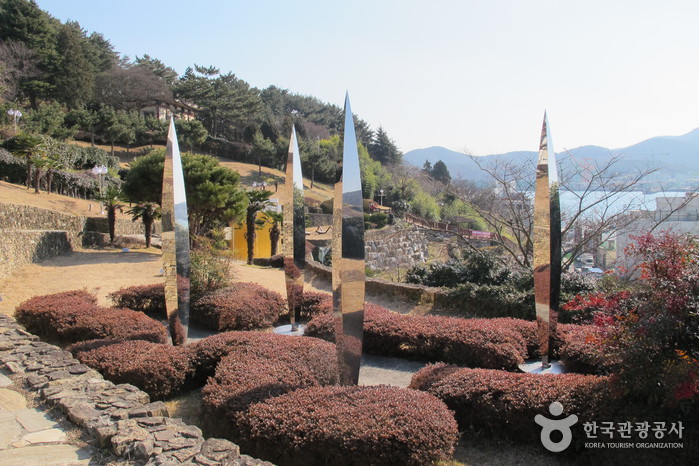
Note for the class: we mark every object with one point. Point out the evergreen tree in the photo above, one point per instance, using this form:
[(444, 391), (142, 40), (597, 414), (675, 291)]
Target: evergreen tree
[(383, 149), (440, 172)]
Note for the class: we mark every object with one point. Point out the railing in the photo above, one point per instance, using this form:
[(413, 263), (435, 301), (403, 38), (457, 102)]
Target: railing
[(446, 226)]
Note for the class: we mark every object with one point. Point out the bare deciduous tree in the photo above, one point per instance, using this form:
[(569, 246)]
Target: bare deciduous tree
[(602, 205)]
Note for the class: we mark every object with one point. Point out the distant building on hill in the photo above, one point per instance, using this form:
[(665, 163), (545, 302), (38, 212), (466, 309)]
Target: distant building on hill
[(674, 214), (164, 110)]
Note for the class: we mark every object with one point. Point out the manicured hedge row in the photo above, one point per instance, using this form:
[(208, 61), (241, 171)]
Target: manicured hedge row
[(505, 404), (582, 350), (501, 343), (74, 316), (491, 343), (145, 298), (157, 369), (351, 425), (267, 365), (242, 306)]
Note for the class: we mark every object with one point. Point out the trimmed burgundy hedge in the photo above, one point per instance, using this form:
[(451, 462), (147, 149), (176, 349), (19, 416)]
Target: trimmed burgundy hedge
[(145, 298), (470, 342), (582, 350), (242, 306), (74, 316), (157, 369), (501, 343), (505, 403), (351, 425), (267, 365)]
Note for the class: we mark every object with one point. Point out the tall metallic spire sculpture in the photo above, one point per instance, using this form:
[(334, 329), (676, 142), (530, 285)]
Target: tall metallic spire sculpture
[(175, 238), (294, 230), (547, 243), (348, 257)]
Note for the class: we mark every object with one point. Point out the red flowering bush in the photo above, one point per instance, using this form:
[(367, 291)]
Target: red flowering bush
[(241, 306), (505, 403), (73, 316), (145, 298), (351, 425), (264, 365), (157, 369)]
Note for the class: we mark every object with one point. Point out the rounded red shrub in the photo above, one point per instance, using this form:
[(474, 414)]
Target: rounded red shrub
[(74, 316), (205, 354), (145, 298), (268, 365), (506, 403), (157, 369), (46, 315), (351, 425), (583, 351), (242, 306)]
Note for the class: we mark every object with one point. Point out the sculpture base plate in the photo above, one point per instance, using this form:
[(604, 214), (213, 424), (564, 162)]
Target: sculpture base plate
[(533, 366), (286, 330)]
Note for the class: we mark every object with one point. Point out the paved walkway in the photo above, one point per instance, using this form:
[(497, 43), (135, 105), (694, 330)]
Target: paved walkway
[(29, 436)]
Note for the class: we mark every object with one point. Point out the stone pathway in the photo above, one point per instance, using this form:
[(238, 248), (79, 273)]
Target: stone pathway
[(28, 436), (119, 418)]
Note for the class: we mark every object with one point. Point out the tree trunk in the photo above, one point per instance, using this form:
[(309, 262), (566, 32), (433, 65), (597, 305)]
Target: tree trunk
[(148, 225), (37, 180), (274, 238), (49, 181), (250, 236), (313, 175), (28, 181), (111, 218)]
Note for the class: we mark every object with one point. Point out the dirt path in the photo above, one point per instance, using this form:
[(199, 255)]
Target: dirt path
[(99, 271), (104, 271)]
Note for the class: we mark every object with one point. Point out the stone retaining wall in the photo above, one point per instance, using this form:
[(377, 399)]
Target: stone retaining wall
[(422, 295), (20, 247), (121, 417), (29, 234), (390, 248)]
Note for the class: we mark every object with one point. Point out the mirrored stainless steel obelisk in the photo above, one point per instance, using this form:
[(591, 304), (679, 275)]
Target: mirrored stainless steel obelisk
[(175, 238), (351, 259), (556, 235), (547, 240), (294, 230)]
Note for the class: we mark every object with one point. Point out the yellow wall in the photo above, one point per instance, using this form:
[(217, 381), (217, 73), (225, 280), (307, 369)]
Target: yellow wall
[(263, 245)]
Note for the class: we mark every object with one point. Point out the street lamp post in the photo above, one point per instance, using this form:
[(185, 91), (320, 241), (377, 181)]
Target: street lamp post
[(100, 170), (16, 114), (381, 194)]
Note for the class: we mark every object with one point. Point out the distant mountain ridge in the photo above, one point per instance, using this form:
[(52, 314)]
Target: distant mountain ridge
[(676, 157)]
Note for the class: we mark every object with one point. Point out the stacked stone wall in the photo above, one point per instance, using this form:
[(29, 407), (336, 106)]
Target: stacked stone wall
[(30, 234), (389, 248)]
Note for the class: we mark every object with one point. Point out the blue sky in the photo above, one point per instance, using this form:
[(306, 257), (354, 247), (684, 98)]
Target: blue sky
[(469, 75)]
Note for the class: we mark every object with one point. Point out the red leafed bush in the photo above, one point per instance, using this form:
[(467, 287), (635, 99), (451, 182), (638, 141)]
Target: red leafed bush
[(74, 316), (505, 403), (157, 369), (351, 425), (583, 351), (145, 298), (491, 343), (242, 306), (43, 315), (208, 352), (268, 365)]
